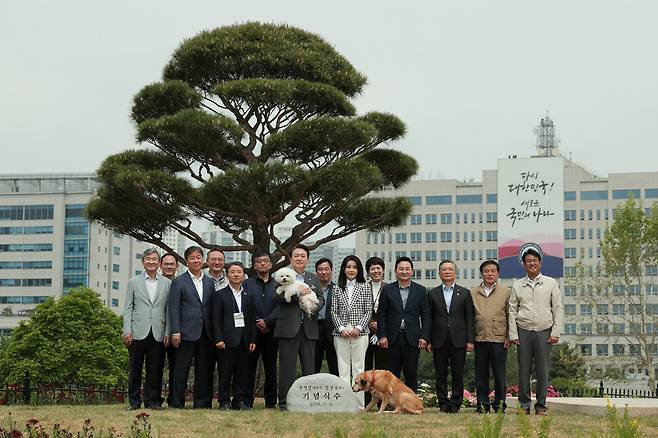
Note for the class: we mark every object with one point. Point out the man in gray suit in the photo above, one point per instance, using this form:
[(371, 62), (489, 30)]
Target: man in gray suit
[(296, 332), (146, 330)]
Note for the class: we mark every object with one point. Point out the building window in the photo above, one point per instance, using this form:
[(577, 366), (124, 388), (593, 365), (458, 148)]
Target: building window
[(492, 217), (115, 267), (569, 291), (115, 285), (492, 236), (446, 254), (602, 309), (438, 200), (569, 196), (416, 237), (569, 234), (415, 256), (430, 256), (446, 236), (446, 218), (457, 217), (601, 349), (618, 328), (569, 253), (618, 350), (586, 310), (430, 274), (399, 254), (416, 219), (652, 270), (469, 199), (651, 193), (618, 309), (491, 254), (115, 302), (430, 219), (38, 212), (569, 271), (626, 193), (586, 349), (400, 237), (430, 237), (116, 250), (570, 328), (594, 195), (492, 198), (415, 200), (603, 329), (570, 309), (569, 215)]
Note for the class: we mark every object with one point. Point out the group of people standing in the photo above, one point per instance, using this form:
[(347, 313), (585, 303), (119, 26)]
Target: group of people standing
[(361, 323)]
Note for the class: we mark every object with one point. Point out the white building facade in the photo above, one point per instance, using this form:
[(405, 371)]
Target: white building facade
[(459, 220), (48, 246)]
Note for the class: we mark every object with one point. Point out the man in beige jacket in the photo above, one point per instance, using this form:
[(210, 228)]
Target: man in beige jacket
[(490, 302), (535, 321)]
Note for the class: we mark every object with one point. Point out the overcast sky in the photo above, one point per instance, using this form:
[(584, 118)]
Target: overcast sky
[(470, 79)]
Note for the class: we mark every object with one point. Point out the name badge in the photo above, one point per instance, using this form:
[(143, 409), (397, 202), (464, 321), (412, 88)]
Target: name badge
[(238, 319)]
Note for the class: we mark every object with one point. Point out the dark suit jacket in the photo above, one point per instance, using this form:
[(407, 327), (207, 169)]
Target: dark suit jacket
[(289, 315), (188, 314), (264, 296), (416, 314), (223, 325), (328, 321), (458, 323)]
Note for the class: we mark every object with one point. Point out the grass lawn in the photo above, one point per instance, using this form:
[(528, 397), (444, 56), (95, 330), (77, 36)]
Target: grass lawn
[(267, 423)]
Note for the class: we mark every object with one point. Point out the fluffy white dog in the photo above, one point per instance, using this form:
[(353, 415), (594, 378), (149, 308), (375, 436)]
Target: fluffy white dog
[(289, 286)]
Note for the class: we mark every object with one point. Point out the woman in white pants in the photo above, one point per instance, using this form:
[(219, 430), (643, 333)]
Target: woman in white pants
[(351, 309)]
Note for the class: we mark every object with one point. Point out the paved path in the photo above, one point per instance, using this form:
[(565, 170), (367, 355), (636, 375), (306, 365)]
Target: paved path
[(597, 406)]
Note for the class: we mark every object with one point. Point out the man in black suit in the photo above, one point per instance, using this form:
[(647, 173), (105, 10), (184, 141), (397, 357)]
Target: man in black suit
[(296, 332), (451, 308), (325, 344), (262, 288), (189, 304), (234, 331), (403, 322), (169, 268)]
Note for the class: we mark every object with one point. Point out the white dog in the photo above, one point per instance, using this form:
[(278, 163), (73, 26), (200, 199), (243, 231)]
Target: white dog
[(289, 286)]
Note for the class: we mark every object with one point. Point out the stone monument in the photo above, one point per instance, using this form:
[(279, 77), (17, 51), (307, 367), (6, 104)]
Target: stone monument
[(322, 393)]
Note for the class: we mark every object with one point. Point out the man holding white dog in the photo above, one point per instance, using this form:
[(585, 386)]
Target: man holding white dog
[(296, 331)]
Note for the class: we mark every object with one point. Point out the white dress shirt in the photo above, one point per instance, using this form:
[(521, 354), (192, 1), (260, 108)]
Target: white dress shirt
[(198, 284), (237, 294), (151, 286), (349, 287)]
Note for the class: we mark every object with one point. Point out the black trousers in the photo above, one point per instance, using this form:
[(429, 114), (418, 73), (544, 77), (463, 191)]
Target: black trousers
[(403, 358), (325, 347), (449, 356), (289, 349), (490, 355), (376, 359), (151, 351), (266, 348), (201, 353), (233, 375), (169, 355)]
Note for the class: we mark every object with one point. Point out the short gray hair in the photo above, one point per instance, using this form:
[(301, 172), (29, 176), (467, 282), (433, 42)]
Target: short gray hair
[(150, 251)]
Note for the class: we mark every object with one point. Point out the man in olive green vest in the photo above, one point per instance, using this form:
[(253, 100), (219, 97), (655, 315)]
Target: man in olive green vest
[(490, 302)]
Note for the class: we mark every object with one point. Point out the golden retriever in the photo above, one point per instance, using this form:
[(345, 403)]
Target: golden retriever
[(384, 386)]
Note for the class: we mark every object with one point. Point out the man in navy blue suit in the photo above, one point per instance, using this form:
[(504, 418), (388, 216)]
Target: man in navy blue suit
[(403, 322), (234, 331), (191, 330)]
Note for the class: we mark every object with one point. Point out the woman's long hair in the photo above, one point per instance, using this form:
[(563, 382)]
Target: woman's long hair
[(342, 278)]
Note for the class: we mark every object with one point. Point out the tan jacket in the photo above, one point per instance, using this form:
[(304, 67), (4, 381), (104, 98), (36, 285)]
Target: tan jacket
[(490, 313), (535, 308)]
